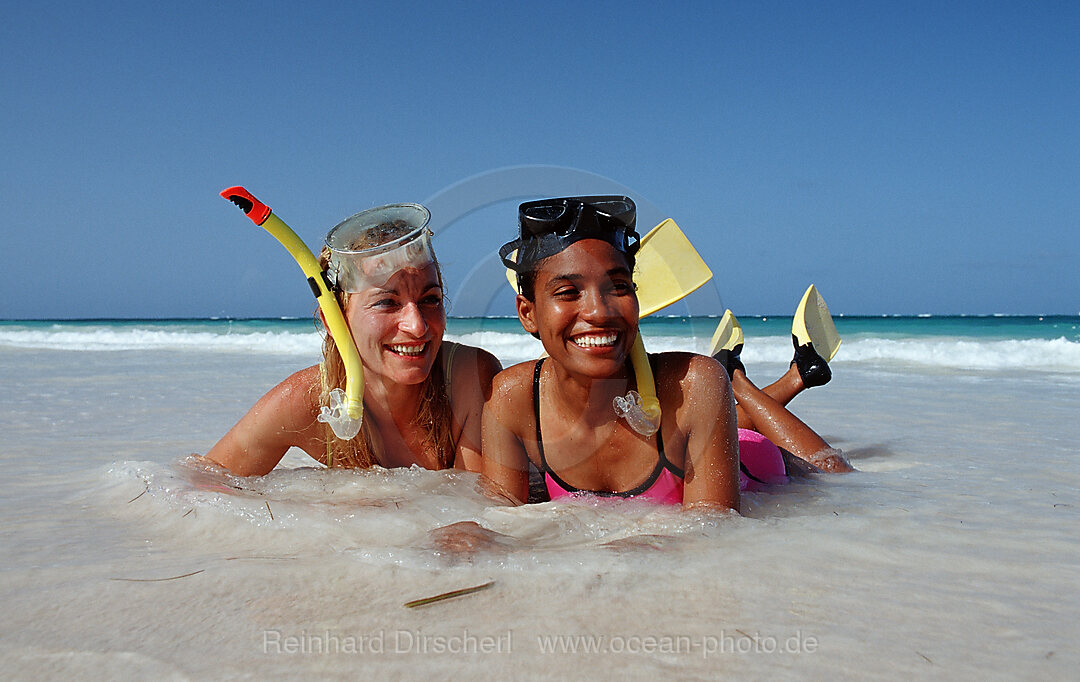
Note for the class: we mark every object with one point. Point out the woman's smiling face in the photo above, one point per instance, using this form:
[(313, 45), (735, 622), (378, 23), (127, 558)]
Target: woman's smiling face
[(585, 309), (399, 326)]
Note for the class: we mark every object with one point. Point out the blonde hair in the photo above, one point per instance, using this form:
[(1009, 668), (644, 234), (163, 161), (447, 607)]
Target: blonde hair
[(434, 415)]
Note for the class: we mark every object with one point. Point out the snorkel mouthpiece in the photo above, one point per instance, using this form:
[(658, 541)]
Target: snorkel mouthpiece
[(252, 207), (640, 410), (346, 411)]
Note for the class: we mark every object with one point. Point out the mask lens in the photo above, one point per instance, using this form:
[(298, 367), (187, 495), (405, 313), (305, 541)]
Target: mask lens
[(548, 226), (545, 217), (617, 212), (378, 229), (369, 247)]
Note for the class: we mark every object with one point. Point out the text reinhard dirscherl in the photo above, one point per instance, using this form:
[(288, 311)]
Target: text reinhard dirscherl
[(384, 642)]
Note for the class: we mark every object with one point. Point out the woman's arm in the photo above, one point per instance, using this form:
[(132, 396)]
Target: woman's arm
[(505, 461), (283, 418), (470, 388), (712, 452)]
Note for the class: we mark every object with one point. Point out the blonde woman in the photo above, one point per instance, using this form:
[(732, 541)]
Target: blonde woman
[(423, 397)]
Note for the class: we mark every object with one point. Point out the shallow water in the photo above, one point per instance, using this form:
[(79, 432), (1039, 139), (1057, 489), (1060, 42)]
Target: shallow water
[(952, 552)]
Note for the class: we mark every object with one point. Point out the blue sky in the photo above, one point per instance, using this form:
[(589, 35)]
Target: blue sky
[(907, 157)]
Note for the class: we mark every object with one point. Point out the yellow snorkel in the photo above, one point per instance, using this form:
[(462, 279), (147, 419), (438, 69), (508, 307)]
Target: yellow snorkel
[(345, 413), (668, 269)]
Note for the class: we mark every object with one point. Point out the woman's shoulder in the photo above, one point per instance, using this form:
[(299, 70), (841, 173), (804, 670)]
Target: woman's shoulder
[(514, 382), (468, 370), (511, 402), (299, 393), (688, 369), (460, 355), (691, 383), (694, 392)]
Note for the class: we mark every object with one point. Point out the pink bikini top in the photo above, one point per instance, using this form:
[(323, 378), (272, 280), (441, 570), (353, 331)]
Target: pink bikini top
[(663, 486)]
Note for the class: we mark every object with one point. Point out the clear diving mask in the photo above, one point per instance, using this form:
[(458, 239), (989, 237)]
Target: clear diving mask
[(369, 247)]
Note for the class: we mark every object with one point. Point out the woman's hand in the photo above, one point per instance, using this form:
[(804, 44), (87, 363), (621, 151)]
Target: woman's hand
[(467, 538)]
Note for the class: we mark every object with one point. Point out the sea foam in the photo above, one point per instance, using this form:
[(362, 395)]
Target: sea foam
[(945, 352), (140, 338)]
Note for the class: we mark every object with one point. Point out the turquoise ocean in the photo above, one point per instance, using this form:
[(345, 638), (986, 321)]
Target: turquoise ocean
[(951, 553), (1043, 342)]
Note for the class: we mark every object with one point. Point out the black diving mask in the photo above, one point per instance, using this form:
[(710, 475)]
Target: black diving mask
[(549, 226)]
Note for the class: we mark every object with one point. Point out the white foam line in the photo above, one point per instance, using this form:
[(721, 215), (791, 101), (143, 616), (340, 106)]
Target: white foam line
[(1059, 354)]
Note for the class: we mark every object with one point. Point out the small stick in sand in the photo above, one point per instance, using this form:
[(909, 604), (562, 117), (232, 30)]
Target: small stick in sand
[(447, 595), (145, 490), (157, 580), (268, 509)]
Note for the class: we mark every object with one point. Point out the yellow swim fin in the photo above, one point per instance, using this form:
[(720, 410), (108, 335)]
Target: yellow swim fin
[(668, 268), (728, 334), (814, 325)]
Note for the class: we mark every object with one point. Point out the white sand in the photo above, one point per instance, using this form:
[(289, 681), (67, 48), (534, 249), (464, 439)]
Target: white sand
[(953, 553)]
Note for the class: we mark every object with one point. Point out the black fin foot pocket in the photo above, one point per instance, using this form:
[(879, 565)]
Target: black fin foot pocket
[(813, 368), (730, 360)]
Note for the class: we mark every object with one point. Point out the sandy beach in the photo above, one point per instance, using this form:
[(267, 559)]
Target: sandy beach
[(951, 553)]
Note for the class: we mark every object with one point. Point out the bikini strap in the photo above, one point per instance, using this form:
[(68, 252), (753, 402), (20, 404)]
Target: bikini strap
[(742, 468), (448, 349), (536, 415), (664, 461)]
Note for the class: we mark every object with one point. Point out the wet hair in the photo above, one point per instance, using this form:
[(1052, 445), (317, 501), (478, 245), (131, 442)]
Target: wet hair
[(381, 234), (434, 415)]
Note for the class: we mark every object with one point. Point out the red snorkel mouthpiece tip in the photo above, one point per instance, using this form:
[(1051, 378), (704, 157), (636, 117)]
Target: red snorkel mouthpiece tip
[(252, 207)]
